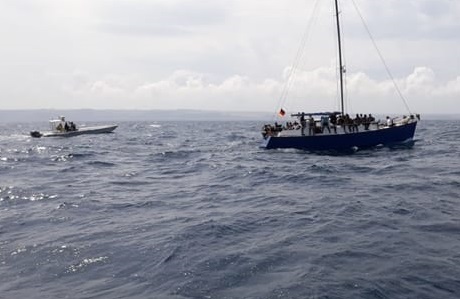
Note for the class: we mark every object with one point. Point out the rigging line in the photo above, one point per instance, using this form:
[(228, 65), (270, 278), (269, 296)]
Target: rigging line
[(301, 51), (297, 59), (299, 55), (381, 56), (348, 104)]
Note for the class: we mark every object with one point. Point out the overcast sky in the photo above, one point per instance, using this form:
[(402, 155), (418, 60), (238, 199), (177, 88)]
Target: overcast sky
[(226, 54)]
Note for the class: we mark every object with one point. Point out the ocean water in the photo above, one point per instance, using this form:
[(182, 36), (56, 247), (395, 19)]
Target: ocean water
[(198, 210)]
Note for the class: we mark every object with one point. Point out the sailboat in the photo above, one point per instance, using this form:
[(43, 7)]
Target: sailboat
[(336, 130)]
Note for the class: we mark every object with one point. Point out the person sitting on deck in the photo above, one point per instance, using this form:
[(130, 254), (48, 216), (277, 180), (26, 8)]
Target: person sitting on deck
[(365, 122), (349, 123), (296, 125), (278, 127), (356, 122), (405, 120), (389, 122), (269, 130)]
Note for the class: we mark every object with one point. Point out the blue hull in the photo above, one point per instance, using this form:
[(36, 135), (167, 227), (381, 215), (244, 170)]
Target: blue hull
[(339, 142)]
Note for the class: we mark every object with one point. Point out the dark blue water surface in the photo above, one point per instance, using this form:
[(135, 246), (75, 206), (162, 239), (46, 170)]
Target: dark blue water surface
[(198, 210)]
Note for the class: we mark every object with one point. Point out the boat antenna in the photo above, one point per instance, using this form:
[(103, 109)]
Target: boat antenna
[(341, 68)]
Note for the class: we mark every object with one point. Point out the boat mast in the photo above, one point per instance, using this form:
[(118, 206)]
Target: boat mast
[(340, 55)]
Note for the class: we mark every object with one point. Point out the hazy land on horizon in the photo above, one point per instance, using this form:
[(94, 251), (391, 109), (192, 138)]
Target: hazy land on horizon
[(39, 115)]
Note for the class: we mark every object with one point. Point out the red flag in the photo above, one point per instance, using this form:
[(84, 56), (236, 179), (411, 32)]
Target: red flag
[(282, 112)]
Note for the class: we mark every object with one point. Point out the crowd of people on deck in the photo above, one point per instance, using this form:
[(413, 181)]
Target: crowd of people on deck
[(68, 126), (332, 121), (272, 130), (353, 124)]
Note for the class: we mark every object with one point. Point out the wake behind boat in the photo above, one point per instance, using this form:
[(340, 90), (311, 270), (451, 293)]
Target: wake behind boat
[(308, 131), (62, 128)]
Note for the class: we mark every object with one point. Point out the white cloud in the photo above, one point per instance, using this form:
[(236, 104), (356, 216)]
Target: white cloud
[(314, 90), (185, 89)]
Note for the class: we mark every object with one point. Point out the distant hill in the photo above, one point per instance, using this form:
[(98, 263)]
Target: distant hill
[(131, 115)]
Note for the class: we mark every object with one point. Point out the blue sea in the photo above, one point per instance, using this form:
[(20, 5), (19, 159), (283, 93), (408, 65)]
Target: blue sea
[(198, 210)]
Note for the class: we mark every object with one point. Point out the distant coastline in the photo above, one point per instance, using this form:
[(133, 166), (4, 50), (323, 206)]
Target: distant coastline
[(40, 115)]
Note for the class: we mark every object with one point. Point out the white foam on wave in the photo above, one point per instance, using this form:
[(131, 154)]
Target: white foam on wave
[(86, 262), (12, 193), (18, 137)]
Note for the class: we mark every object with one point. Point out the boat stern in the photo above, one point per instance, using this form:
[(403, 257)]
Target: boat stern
[(36, 134), (265, 142)]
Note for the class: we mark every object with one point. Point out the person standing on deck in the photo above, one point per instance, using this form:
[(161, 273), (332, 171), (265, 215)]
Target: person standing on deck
[(370, 120), (325, 123), (333, 120), (311, 125), (303, 123)]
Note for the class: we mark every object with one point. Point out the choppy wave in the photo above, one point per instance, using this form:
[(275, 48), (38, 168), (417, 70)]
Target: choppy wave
[(198, 210)]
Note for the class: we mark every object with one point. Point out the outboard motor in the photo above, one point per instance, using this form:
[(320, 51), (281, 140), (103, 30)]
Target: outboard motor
[(36, 134)]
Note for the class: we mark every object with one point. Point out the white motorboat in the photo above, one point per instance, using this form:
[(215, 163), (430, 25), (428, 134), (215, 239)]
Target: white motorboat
[(62, 128)]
